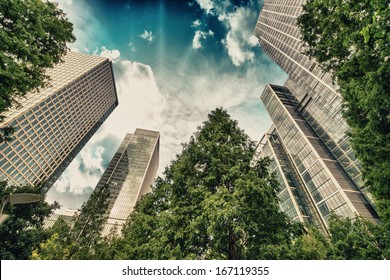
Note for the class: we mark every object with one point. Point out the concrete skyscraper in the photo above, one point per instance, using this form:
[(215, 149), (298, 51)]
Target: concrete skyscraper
[(52, 125), (129, 176), (308, 141)]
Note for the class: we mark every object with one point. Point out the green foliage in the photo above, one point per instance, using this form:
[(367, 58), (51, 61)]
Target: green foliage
[(6, 132), (23, 231), (351, 39), (356, 239), (312, 246), (82, 240), (211, 204), (56, 247)]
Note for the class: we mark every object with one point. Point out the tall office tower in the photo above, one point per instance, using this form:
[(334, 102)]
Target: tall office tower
[(307, 143), (312, 182), (318, 99), (129, 176), (52, 125)]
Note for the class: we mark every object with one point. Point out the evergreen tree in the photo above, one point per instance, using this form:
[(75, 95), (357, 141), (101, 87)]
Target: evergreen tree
[(211, 204)]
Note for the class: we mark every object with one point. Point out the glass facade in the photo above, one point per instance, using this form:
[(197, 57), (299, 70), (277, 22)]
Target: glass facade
[(308, 130), (318, 99), (129, 176), (53, 124), (294, 199), (318, 184)]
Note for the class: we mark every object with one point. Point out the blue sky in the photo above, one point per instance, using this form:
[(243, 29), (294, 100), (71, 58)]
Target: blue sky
[(174, 61)]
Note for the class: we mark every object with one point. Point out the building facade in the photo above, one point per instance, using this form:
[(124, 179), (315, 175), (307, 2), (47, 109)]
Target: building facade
[(312, 182), (308, 142), (318, 99), (52, 125), (129, 176), (67, 216)]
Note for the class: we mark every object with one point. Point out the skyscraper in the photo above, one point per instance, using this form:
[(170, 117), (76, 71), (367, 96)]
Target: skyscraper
[(313, 183), (318, 99), (52, 125), (129, 176), (307, 143)]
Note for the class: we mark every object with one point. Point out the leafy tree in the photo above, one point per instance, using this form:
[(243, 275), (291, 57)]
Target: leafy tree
[(356, 239), (82, 240), (56, 247), (23, 231), (313, 245), (351, 39), (33, 36), (211, 204)]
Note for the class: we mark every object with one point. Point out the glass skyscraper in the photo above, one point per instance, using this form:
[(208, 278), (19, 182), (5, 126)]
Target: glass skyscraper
[(53, 124), (308, 140), (129, 176)]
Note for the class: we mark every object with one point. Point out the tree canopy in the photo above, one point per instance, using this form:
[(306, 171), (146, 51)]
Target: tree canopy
[(351, 39)]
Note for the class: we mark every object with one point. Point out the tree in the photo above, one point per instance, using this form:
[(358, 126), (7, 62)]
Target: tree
[(23, 231), (211, 204), (313, 245), (33, 36), (356, 239), (82, 240), (351, 39), (56, 247)]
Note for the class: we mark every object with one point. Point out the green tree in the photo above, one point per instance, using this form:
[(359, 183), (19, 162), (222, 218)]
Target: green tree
[(56, 247), (211, 204), (33, 36), (82, 240), (313, 245), (351, 39), (85, 235), (356, 239), (23, 231)]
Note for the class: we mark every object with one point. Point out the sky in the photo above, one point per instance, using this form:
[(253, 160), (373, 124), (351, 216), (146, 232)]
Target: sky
[(174, 62)]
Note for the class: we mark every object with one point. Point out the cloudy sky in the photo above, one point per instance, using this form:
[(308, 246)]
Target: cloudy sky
[(174, 61)]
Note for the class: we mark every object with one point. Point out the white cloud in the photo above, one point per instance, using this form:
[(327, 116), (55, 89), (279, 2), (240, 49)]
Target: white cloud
[(111, 54), (199, 36), (240, 41), (147, 35), (91, 164), (86, 26), (206, 5), (132, 47), (196, 23)]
